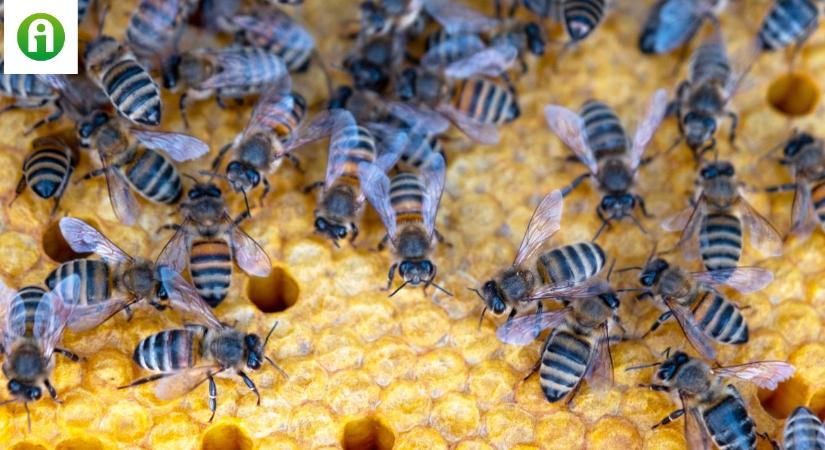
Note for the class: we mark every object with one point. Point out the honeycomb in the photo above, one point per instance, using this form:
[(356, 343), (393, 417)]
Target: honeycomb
[(414, 371)]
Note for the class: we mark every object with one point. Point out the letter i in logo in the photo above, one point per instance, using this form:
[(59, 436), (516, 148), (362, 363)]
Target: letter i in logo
[(41, 37)]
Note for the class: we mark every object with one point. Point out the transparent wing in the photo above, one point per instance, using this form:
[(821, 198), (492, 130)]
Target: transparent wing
[(803, 221), (376, 187), (186, 299), (687, 221), (233, 67), (251, 257), (271, 105), (53, 313), (569, 127), (765, 374), (743, 279), (390, 148), (523, 330), (457, 18), (6, 296), (179, 146), (676, 21), (647, 127), (324, 124), (433, 174), (458, 46), (763, 235), (695, 336), (86, 317), (343, 132), (695, 434), (599, 371), (419, 117), (175, 253), (83, 238), (491, 62), (546, 220), (183, 381), (483, 133), (124, 204), (570, 290)]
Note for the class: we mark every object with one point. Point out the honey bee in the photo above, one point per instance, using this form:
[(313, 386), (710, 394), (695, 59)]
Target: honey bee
[(47, 169), (702, 312), (579, 17), (714, 410), (805, 155), (563, 270), (139, 166), (274, 30), (155, 27), (208, 239), (373, 62), (230, 73), (717, 219), (525, 37), (29, 91), (598, 139), (465, 55), (788, 22), (407, 205), (577, 349), (33, 323), (269, 137), (672, 24), (129, 86), (399, 16), (182, 359), (803, 431)]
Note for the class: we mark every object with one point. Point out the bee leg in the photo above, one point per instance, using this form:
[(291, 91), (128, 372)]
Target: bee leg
[(11, 107), (664, 317), (539, 310), (535, 369), (312, 186), (642, 206), (781, 187), (52, 391), (605, 223), (734, 123), (221, 103), (643, 295), (354, 228), (573, 393), (169, 226), (391, 275), (71, 356), (251, 385), (182, 103), (766, 437), (221, 153), (46, 120), (295, 162), (267, 188), (145, 380), (383, 243), (670, 417), (21, 186), (213, 397), (441, 240), (574, 184), (93, 174)]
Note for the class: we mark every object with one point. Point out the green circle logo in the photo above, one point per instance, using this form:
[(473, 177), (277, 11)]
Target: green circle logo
[(41, 37)]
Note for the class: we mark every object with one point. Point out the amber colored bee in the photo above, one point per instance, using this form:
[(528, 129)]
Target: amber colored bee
[(48, 168)]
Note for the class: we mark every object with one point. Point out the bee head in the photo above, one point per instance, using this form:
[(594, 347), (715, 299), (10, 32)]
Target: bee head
[(672, 365), (648, 42), (331, 229), (202, 190), (340, 98), (254, 351), (535, 38), (652, 271), (699, 128), (617, 206), (491, 294), (610, 299), (171, 71), (405, 87), (797, 143), (513, 111), (21, 390), (373, 17), (717, 169), (366, 74), (579, 27), (416, 272), (86, 128), (241, 176)]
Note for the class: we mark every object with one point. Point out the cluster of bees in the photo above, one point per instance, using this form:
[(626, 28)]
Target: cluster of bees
[(384, 130)]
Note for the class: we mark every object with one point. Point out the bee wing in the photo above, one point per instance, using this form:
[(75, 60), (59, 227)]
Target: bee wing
[(546, 220), (185, 298), (340, 125), (390, 147), (802, 212), (523, 330), (484, 133), (11, 328), (53, 313), (251, 257), (419, 117), (324, 124), (687, 221), (86, 317), (743, 279), (695, 336), (433, 174), (571, 290), (491, 62), (232, 66), (763, 235), (179, 146), (124, 204), (183, 381), (695, 433), (648, 126), (376, 187), (457, 18), (275, 99), (6, 296), (600, 366), (175, 253), (569, 127), (765, 374), (83, 238), (676, 21), (460, 46)]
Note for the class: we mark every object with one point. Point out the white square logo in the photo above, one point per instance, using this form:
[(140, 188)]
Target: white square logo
[(40, 36)]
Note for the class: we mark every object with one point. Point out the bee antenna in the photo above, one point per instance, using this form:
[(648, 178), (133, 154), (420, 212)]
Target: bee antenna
[(637, 223), (625, 269), (610, 270), (441, 289), (277, 367), (643, 366), (605, 224), (632, 290), (404, 284), (28, 415), (270, 332), (246, 202), (191, 177), (481, 317), (652, 253)]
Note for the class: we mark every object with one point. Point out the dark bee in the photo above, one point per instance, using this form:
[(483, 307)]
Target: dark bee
[(407, 205), (525, 37), (577, 349), (208, 239), (714, 410), (156, 26), (274, 30), (803, 431), (373, 62), (579, 17), (400, 16), (182, 359), (804, 154), (48, 168), (673, 23), (701, 311), (131, 89), (599, 140), (128, 165), (465, 55), (716, 219), (33, 323), (788, 22)]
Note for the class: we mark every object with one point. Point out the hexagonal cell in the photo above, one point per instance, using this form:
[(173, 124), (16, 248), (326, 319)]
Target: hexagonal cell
[(27, 446), (367, 434), (226, 437), (274, 293), (56, 247), (794, 94), (80, 443)]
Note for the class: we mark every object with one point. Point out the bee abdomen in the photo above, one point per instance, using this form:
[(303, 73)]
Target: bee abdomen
[(23, 86), (720, 241), (485, 101), (360, 146), (166, 351), (576, 262), (133, 92), (26, 306), (721, 319), (728, 423), (95, 286), (710, 63), (788, 22), (152, 26), (803, 431), (47, 170), (210, 265), (605, 133), (581, 17), (818, 198), (419, 149), (407, 197), (155, 177), (563, 364)]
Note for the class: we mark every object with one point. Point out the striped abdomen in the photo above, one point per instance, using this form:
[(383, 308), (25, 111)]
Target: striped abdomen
[(581, 17), (285, 121), (255, 68), (720, 241), (154, 26), (210, 267), (818, 199), (133, 92), (360, 145), (720, 319), (407, 198), (26, 308), (154, 176), (803, 431), (729, 424), (710, 64), (576, 262), (166, 351), (563, 363), (48, 167), (605, 133), (456, 47), (23, 86), (484, 101), (95, 280), (419, 148), (788, 22)]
